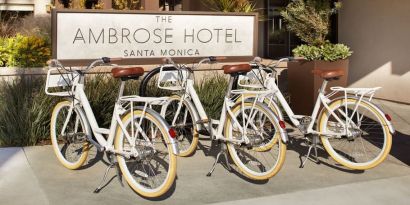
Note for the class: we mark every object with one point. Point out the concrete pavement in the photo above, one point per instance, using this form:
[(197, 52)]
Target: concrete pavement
[(33, 175)]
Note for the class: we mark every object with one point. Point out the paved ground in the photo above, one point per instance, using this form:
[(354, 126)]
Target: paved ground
[(32, 175)]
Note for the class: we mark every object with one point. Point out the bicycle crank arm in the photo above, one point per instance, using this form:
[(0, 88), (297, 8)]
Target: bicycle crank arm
[(233, 141)]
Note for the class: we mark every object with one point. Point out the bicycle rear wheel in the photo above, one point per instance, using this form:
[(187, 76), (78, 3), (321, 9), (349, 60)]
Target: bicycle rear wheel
[(371, 140), (68, 131), (262, 157), (153, 171)]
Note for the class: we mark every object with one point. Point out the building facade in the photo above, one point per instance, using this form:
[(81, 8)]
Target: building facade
[(38, 7), (376, 30)]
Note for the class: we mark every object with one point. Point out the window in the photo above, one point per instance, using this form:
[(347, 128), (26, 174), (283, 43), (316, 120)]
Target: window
[(278, 41)]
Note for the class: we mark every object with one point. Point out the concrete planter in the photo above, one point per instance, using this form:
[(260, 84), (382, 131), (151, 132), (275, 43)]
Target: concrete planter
[(303, 86)]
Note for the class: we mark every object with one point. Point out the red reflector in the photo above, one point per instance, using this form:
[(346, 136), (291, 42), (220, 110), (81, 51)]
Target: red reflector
[(282, 124), (387, 117), (172, 132)]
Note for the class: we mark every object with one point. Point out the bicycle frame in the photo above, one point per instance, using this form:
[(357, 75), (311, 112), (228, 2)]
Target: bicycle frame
[(190, 94), (82, 105), (322, 99)]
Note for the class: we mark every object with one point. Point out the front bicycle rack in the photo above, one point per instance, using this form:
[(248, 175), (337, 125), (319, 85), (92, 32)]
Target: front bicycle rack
[(171, 78), (59, 82), (253, 79)]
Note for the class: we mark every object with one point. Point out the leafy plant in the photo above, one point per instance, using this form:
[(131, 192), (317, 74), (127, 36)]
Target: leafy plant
[(39, 26), (8, 21), (230, 5), (326, 52), (25, 51), (126, 4), (25, 112), (310, 19), (3, 52), (211, 91), (26, 109), (102, 91)]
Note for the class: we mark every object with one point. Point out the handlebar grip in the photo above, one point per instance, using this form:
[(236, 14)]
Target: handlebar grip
[(165, 60), (296, 58), (109, 60), (115, 59), (216, 58)]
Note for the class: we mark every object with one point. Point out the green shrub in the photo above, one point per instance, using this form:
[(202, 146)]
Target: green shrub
[(102, 91), (126, 4), (230, 5), (39, 26), (26, 51), (326, 52), (25, 112), (211, 91), (25, 109), (8, 22), (310, 19), (3, 52)]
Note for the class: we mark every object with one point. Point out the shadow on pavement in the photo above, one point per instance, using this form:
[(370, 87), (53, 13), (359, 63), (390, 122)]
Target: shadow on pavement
[(300, 146), (401, 147), (213, 151)]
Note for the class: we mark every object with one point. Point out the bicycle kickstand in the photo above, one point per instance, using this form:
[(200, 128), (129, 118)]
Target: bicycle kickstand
[(98, 189), (222, 151), (113, 162), (313, 144)]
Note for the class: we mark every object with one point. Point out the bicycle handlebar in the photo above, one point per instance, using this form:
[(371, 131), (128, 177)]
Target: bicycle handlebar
[(55, 62), (258, 61), (168, 60), (109, 60)]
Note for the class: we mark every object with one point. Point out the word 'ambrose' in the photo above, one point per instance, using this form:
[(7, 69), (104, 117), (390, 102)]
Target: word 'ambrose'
[(157, 35)]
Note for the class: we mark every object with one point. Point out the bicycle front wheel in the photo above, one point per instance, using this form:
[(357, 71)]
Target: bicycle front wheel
[(68, 131), (271, 104), (262, 157), (184, 123), (152, 172), (370, 140)]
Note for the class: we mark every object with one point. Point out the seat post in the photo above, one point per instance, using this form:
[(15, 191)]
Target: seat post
[(323, 87), (121, 89), (230, 84)]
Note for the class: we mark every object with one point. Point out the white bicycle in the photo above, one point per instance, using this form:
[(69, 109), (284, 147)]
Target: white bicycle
[(244, 127), (353, 130), (139, 137)]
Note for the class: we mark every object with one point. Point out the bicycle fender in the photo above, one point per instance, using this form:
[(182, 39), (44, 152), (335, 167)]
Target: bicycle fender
[(375, 107), (80, 110), (190, 105)]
